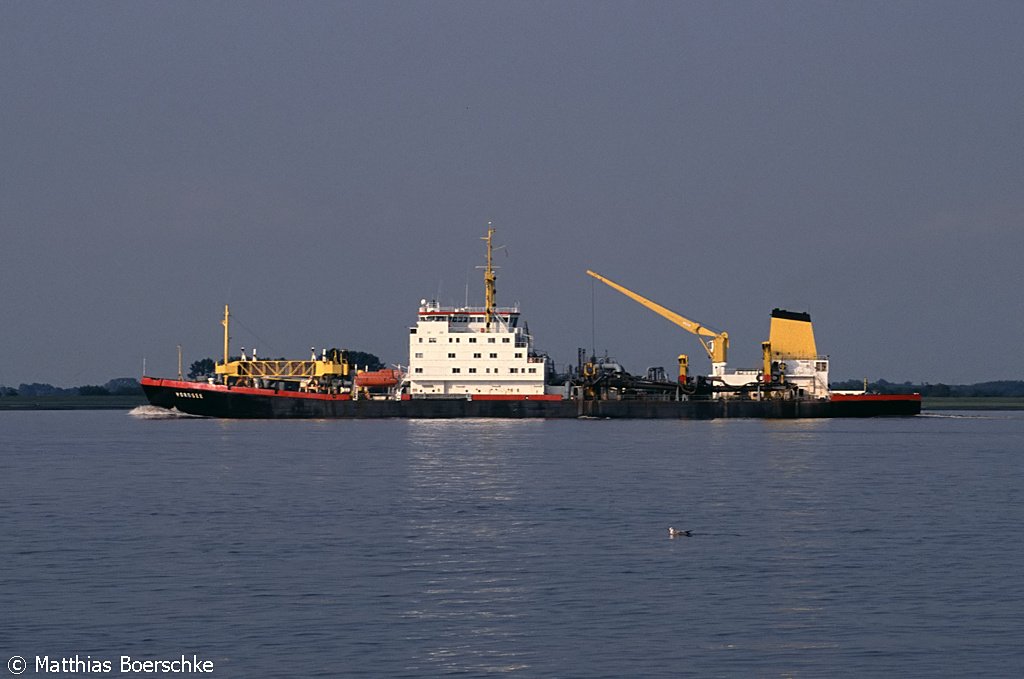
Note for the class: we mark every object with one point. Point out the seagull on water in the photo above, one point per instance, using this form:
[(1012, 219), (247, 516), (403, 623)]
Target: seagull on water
[(676, 533)]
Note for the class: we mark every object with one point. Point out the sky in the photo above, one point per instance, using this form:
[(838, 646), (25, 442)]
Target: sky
[(323, 166)]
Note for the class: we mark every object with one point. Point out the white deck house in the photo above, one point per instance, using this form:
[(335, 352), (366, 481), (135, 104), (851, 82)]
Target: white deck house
[(455, 351)]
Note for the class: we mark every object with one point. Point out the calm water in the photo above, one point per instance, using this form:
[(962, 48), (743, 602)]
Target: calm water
[(418, 548)]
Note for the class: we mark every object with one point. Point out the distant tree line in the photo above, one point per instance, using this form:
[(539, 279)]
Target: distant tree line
[(364, 361), (999, 388), (119, 386), (201, 368)]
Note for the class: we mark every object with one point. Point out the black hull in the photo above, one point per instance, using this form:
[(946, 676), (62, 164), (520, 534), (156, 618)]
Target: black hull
[(198, 399)]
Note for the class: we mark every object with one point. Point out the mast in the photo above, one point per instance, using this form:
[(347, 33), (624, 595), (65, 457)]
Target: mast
[(489, 279), (227, 315)]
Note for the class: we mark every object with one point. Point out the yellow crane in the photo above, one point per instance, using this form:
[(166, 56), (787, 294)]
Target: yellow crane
[(716, 344)]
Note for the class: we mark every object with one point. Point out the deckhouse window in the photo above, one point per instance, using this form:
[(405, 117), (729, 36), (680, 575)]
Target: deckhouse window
[(494, 356), (451, 354), (505, 340), (476, 355)]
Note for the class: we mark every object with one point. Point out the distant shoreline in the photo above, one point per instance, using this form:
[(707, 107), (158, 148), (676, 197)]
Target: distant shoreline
[(133, 401), (972, 403), (72, 402)]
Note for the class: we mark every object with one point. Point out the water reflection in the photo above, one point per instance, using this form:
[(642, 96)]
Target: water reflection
[(464, 487)]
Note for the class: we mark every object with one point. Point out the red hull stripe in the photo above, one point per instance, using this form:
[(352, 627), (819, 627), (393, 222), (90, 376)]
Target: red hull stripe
[(876, 397), (515, 397), (220, 388)]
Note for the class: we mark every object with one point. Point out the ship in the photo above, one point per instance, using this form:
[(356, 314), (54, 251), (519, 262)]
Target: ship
[(481, 362)]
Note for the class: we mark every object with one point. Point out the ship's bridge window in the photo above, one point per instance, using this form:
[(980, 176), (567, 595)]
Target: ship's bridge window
[(505, 340), (490, 340), (472, 340)]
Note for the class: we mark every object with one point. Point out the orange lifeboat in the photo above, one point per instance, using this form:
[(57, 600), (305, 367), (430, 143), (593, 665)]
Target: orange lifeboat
[(387, 377)]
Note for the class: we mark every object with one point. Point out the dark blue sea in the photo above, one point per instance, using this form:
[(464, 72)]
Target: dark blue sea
[(831, 548)]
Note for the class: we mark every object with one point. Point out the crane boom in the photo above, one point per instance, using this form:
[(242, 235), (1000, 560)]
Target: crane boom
[(718, 346)]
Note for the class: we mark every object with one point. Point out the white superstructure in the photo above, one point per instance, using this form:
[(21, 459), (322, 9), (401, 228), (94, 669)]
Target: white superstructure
[(453, 351), (473, 350)]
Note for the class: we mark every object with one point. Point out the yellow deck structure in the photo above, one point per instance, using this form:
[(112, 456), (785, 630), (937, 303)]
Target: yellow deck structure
[(333, 364)]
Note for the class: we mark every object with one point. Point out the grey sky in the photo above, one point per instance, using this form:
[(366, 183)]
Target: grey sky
[(323, 166)]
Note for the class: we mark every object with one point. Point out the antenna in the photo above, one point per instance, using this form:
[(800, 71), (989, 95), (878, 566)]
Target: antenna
[(227, 316), (489, 278)]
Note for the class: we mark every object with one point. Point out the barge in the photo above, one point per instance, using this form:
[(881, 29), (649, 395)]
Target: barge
[(480, 362)]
